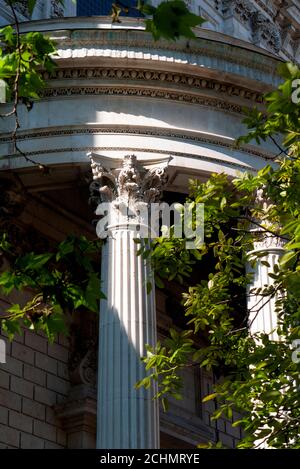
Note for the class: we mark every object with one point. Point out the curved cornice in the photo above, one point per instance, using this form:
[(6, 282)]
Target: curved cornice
[(95, 37), (131, 24)]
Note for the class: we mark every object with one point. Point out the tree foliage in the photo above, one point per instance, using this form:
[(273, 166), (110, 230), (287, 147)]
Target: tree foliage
[(58, 282), (260, 375)]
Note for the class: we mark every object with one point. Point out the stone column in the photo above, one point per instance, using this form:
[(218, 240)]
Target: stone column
[(127, 418), (262, 314)]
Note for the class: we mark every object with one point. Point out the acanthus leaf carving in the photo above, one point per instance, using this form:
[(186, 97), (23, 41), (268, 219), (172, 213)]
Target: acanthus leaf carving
[(129, 189), (131, 182)]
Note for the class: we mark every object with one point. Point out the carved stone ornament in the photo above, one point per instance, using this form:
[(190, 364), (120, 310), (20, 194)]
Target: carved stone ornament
[(124, 189), (131, 181), (264, 30), (12, 200), (56, 9), (241, 9), (266, 241), (22, 7)]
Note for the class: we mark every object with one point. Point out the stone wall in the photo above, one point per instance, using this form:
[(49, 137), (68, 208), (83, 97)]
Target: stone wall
[(33, 380), (47, 390)]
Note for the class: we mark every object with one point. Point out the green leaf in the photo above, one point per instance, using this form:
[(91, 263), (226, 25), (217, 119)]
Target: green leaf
[(165, 404), (11, 327), (172, 19), (31, 5), (210, 397), (8, 34), (159, 282), (33, 261)]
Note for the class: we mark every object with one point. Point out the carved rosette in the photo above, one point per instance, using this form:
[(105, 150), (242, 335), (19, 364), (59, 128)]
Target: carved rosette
[(84, 345), (12, 200), (124, 194)]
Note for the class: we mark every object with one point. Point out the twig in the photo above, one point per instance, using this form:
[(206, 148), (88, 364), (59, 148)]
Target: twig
[(263, 229), (16, 96), (278, 146)]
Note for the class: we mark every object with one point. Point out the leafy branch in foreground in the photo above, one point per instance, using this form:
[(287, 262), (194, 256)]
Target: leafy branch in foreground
[(22, 58), (170, 20), (257, 376), (58, 283)]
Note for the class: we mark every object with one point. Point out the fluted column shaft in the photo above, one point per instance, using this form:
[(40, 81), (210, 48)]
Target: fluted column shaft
[(124, 191), (262, 314), (127, 417)]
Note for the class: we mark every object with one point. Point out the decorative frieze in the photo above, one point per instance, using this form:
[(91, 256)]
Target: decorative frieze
[(209, 52), (161, 78), (267, 22), (142, 92), (158, 132)]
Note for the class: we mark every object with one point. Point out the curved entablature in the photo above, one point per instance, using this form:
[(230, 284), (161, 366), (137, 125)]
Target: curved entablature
[(116, 91), (97, 37)]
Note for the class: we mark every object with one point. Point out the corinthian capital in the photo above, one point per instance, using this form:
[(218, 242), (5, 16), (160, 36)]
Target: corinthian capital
[(125, 192), (128, 180)]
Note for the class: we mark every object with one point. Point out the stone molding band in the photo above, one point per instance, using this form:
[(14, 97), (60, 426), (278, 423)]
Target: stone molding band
[(139, 150), (159, 77)]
